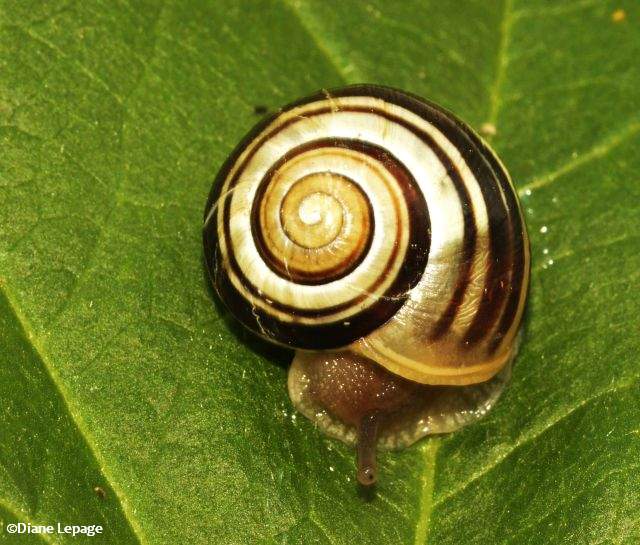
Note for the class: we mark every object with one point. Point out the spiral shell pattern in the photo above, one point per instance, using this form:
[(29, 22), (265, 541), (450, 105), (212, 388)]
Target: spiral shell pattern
[(368, 217)]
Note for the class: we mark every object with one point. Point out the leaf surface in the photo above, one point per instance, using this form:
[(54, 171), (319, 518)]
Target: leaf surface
[(130, 400)]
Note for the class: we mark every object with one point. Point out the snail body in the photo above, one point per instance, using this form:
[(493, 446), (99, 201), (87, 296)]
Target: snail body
[(377, 235)]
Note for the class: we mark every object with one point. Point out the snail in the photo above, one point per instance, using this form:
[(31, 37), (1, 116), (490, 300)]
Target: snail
[(377, 235)]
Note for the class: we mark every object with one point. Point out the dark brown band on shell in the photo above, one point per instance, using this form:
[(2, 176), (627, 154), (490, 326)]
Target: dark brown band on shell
[(273, 261), (506, 274), (506, 266), (333, 334)]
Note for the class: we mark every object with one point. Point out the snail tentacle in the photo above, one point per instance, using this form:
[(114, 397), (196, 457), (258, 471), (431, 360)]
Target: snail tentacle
[(366, 449)]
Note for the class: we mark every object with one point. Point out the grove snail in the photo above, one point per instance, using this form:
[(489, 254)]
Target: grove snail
[(380, 237)]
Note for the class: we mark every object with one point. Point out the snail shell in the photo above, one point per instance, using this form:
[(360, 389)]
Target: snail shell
[(366, 227)]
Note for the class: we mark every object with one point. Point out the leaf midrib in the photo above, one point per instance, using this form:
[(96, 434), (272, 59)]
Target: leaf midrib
[(19, 515), (32, 339)]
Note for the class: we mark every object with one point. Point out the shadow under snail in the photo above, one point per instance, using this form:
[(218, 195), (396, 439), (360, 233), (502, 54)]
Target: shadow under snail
[(377, 235)]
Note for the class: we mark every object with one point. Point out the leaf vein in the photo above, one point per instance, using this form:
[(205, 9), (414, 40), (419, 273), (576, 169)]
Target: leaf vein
[(18, 514), (598, 151), (526, 439), (588, 249), (319, 44), (426, 505), (83, 68), (501, 62), (33, 340), (320, 527)]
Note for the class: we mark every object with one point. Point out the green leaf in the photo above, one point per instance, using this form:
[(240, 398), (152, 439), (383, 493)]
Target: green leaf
[(131, 401)]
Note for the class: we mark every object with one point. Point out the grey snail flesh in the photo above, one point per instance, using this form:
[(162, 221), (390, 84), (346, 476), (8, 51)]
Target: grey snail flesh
[(380, 237), (430, 410)]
